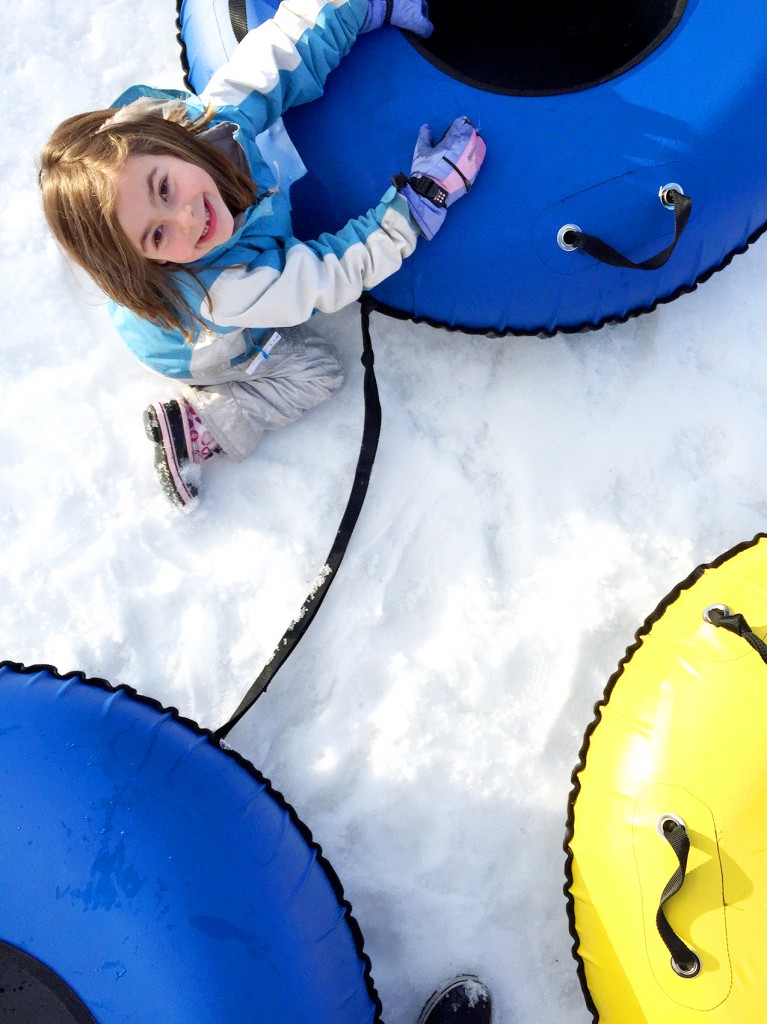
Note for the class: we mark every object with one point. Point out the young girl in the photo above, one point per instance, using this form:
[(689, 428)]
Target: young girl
[(177, 207)]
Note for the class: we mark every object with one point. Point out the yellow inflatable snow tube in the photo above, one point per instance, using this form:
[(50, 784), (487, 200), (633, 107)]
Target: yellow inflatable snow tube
[(667, 827)]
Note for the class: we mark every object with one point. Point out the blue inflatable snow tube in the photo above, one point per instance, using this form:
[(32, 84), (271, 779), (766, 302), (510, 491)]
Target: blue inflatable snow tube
[(147, 874), (589, 111)]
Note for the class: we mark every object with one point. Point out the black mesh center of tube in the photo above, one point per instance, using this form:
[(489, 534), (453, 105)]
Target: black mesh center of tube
[(31, 993), (546, 46)]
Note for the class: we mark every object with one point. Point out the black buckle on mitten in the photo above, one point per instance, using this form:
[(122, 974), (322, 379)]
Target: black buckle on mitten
[(422, 186), (429, 189)]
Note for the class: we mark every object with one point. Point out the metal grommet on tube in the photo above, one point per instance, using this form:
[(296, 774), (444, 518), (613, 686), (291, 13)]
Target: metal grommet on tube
[(562, 237), (663, 193), (688, 969), (666, 821), (720, 609)]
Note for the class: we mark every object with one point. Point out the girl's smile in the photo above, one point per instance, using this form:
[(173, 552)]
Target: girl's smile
[(171, 210)]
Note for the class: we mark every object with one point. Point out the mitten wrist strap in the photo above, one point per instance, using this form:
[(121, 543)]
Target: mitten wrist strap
[(422, 186)]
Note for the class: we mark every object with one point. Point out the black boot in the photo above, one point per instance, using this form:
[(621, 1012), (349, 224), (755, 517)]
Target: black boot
[(464, 1000)]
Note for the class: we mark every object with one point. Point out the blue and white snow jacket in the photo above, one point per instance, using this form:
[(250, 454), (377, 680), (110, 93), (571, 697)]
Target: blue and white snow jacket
[(263, 277)]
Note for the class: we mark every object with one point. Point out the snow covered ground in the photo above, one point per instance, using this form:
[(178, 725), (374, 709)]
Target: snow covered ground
[(531, 503)]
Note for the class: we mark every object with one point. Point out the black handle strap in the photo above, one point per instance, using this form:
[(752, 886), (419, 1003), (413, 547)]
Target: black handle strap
[(370, 433), (683, 960), (721, 616), (592, 246), (239, 19)]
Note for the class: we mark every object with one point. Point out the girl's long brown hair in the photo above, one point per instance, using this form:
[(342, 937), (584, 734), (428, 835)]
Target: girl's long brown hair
[(78, 173)]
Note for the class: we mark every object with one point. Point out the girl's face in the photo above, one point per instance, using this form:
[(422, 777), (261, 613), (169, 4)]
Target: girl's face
[(171, 210)]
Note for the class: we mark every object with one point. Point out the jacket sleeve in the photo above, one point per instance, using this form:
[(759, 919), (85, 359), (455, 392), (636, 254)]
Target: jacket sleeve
[(285, 61), (284, 285)]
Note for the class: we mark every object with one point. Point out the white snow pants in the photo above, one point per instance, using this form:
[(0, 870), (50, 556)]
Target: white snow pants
[(301, 372)]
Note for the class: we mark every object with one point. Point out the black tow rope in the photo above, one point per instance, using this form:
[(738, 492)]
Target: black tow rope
[(239, 19), (370, 433)]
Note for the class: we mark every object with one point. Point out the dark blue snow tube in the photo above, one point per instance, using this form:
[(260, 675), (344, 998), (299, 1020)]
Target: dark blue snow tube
[(146, 874), (589, 111)]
